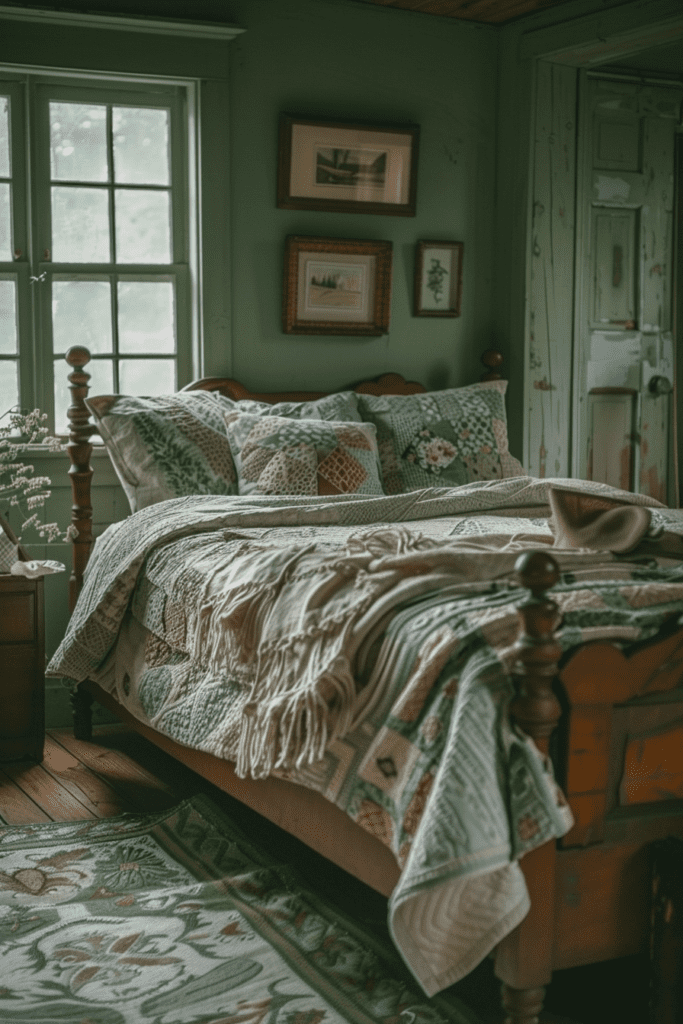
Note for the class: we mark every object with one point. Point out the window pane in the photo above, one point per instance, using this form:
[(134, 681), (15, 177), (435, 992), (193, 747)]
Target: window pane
[(5, 223), (81, 315), (8, 319), (141, 154), (9, 386), (78, 142), (143, 226), (4, 137), (147, 376), (80, 225), (146, 316), (101, 383)]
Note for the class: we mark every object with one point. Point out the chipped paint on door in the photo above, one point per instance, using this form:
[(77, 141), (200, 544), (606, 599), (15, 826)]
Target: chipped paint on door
[(623, 414), (549, 347)]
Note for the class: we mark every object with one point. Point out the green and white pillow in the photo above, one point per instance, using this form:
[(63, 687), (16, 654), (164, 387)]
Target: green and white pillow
[(441, 438), (342, 405), (275, 455), (167, 446), (174, 445)]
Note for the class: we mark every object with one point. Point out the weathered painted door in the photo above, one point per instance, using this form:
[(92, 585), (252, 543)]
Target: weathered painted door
[(624, 371)]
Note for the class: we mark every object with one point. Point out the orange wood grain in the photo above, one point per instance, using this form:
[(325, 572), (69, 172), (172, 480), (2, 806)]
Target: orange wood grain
[(589, 814), (139, 789), (653, 767), (589, 742), (95, 794), (600, 673), (602, 903), (16, 807), (524, 957), (58, 804)]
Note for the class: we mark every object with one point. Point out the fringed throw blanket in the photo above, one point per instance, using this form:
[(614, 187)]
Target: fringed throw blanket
[(280, 606)]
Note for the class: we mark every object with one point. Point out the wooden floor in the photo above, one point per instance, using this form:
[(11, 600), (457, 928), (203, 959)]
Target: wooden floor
[(120, 771)]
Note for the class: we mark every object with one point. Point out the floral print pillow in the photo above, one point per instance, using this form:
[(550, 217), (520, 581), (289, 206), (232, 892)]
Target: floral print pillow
[(441, 438), (275, 455), (167, 446)]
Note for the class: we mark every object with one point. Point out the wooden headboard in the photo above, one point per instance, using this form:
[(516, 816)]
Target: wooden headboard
[(387, 384), (82, 429)]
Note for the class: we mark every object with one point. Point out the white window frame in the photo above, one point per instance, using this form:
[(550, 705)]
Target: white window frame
[(30, 92), (142, 49)]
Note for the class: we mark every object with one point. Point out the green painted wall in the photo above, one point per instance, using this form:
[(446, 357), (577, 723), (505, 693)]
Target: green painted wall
[(470, 91), (333, 59), (349, 60)]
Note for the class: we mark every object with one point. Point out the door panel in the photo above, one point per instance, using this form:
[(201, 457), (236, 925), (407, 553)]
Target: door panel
[(611, 423), (616, 259), (625, 362)]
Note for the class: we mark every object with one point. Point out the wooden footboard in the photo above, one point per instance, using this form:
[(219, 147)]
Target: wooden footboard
[(620, 764)]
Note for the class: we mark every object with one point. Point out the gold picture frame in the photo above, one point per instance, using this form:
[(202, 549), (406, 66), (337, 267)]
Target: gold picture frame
[(336, 286)]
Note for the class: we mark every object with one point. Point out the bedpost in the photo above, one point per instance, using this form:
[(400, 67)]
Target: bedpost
[(80, 471), (492, 360), (524, 958)]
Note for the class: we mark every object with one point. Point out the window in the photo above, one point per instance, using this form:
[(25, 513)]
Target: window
[(95, 221)]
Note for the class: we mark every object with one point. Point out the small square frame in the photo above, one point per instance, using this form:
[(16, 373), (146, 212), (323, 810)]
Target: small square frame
[(438, 278), (336, 286)]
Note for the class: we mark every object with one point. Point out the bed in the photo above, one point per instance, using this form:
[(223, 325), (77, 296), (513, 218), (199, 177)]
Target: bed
[(602, 718)]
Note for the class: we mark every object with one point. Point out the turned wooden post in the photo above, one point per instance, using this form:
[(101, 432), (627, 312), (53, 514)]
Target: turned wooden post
[(80, 471), (524, 958), (492, 360)]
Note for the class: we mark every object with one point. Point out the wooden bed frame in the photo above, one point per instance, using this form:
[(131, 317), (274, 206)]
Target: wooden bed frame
[(590, 891)]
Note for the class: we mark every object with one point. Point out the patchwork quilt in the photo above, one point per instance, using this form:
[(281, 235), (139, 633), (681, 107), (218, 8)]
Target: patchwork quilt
[(360, 646)]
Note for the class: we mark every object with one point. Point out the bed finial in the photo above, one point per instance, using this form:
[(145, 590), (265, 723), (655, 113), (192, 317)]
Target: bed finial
[(523, 958), (536, 709), (492, 360), (80, 471)]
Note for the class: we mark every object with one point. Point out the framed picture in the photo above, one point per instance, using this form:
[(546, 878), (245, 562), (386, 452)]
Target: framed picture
[(336, 286), (347, 168), (438, 278)]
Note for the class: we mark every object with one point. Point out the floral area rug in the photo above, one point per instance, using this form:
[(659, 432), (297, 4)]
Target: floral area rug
[(177, 918)]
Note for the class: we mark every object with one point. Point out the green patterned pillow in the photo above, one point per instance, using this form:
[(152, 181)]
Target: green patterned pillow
[(441, 438), (342, 405), (168, 446), (275, 455), (173, 445)]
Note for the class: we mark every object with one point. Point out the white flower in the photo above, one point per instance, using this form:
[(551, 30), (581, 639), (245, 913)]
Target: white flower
[(18, 485)]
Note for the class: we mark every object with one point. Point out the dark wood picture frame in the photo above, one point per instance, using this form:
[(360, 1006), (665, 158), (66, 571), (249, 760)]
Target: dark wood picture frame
[(336, 286), (317, 169), (438, 278)]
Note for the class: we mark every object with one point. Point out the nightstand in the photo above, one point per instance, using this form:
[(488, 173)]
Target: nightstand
[(22, 668)]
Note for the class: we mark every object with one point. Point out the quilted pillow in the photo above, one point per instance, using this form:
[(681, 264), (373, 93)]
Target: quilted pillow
[(441, 438), (168, 446), (275, 455), (342, 405)]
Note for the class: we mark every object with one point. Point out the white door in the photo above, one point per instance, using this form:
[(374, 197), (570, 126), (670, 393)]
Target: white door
[(624, 407)]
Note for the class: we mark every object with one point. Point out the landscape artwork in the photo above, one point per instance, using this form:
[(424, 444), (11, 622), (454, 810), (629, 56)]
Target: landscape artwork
[(335, 286), (347, 167), (357, 168)]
